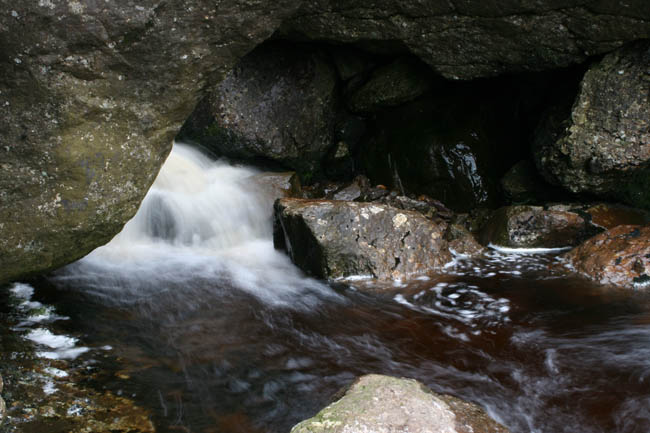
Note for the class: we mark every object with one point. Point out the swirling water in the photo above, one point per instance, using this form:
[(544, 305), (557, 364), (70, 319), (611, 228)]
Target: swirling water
[(215, 331)]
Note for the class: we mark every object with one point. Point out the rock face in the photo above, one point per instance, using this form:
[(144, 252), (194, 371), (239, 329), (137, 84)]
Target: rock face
[(535, 227), (442, 147), (603, 148), (383, 404), (474, 38), (331, 239), (620, 257), (91, 96), (280, 103), (396, 83)]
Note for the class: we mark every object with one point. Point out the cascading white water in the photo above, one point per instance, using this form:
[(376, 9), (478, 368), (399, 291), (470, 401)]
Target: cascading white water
[(202, 220)]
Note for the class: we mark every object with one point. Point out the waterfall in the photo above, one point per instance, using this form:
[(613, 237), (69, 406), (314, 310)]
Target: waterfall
[(203, 225)]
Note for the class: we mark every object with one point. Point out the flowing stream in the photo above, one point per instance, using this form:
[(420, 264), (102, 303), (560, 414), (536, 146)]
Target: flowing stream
[(215, 331)]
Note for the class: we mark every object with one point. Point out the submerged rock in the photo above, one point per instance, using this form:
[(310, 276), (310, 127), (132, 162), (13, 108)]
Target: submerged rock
[(91, 96), (332, 239), (383, 404), (475, 38), (535, 227), (620, 257), (603, 146), (279, 104)]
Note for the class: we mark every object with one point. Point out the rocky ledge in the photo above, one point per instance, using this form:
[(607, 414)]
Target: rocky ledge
[(383, 404)]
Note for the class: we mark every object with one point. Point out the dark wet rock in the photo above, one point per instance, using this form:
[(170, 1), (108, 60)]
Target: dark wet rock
[(462, 242), (91, 97), (349, 61), (279, 104), (620, 257), (442, 147), (279, 185), (602, 147), (535, 227), (331, 239), (474, 38), (396, 83), (383, 404), (523, 184)]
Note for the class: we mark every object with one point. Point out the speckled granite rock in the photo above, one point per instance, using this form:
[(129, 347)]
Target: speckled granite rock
[(383, 404), (331, 239), (474, 38), (603, 146), (91, 96)]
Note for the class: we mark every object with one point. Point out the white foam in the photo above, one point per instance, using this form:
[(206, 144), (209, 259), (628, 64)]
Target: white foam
[(22, 291), (55, 372), (64, 347), (508, 250)]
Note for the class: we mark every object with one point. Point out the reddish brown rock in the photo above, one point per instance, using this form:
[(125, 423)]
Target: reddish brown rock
[(620, 257)]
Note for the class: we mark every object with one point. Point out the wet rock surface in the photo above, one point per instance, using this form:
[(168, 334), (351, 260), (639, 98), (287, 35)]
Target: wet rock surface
[(279, 103), (443, 147), (384, 404), (603, 146), (619, 257), (332, 239), (92, 95), (535, 227), (511, 37)]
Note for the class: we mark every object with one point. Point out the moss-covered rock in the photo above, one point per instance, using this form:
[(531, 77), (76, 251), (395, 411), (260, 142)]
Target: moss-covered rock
[(602, 145), (91, 97), (384, 404)]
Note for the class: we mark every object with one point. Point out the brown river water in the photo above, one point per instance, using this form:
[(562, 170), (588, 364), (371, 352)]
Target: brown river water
[(213, 331)]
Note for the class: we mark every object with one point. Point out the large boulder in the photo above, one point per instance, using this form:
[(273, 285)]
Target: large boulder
[(331, 239), (619, 257), (384, 404), (476, 38), (278, 104), (91, 97), (603, 146)]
